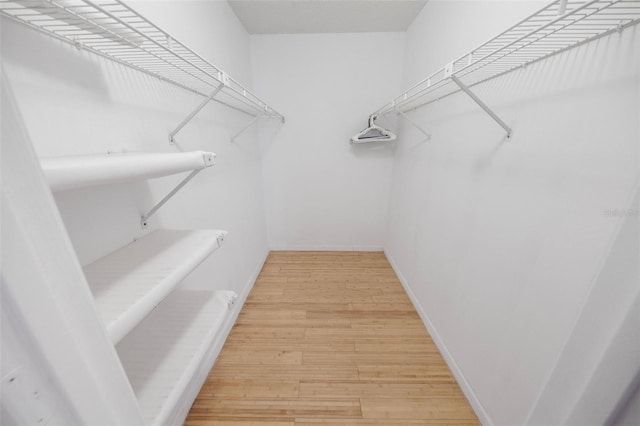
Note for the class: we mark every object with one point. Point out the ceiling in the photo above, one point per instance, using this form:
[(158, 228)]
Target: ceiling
[(325, 16)]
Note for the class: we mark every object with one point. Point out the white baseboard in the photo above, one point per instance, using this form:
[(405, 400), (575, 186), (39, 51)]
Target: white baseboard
[(242, 297), (252, 280), (288, 247), (453, 366), (182, 407)]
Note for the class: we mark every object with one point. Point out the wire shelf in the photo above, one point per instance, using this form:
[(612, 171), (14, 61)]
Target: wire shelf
[(557, 27), (115, 31)]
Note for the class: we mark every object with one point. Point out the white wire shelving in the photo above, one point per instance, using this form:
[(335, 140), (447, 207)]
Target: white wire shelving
[(130, 282), (113, 30), (81, 171), (557, 27), (168, 356)]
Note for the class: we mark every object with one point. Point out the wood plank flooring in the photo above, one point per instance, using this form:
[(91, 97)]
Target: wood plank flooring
[(329, 338)]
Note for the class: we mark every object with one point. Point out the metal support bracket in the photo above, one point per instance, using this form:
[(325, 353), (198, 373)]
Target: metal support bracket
[(482, 105), (562, 7), (194, 112), (145, 217), (428, 135), (232, 301), (241, 131)]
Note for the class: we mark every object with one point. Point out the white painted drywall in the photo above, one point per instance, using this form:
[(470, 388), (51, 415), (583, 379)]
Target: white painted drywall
[(629, 412), (321, 192), (502, 242), (75, 103), (600, 363)]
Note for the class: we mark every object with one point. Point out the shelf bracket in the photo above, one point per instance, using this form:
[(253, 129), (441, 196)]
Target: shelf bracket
[(241, 131), (428, 135), (194, 112), (145, 217), (482, 105), (233, 298), (562, 7)]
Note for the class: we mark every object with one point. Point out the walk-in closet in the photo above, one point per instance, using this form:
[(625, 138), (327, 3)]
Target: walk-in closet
[(320, 212)]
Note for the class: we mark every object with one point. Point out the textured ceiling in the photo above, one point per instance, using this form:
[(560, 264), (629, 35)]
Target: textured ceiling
[(325, 16)]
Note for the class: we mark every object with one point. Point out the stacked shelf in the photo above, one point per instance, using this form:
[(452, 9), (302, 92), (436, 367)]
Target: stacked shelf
[(81, 171), (163, 355), (130, 282), (167, 338)]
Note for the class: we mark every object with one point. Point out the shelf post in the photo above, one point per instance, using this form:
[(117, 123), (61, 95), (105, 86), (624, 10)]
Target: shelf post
[(145, 217), (482, 105), (194, 112)]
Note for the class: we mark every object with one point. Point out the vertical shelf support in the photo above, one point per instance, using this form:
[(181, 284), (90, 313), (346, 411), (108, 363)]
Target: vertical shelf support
[(241, 131), (145, 217), (482, 105), (194, 112)]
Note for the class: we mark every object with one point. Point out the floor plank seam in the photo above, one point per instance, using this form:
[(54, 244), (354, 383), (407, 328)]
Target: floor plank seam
[(329, 338)]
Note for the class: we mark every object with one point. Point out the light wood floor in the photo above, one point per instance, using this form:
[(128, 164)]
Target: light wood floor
[(329, 338)]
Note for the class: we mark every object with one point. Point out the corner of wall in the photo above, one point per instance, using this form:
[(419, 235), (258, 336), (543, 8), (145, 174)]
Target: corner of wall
[(468, 391)]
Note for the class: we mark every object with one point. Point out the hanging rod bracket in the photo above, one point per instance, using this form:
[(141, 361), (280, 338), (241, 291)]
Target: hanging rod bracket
[(145, 217), (427, 134), (482, 105), (241, 131), (184, 122)]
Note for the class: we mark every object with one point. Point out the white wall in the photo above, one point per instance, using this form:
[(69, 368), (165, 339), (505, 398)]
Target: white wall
[(321, 192), (75, 103), (501, 243), (629, 412), (600, 362)]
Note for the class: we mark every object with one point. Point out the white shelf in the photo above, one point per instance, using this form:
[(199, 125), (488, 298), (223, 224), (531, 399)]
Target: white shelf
[(130, 282), (80, 171), (559, 26), (167, 357), (113, 30)]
